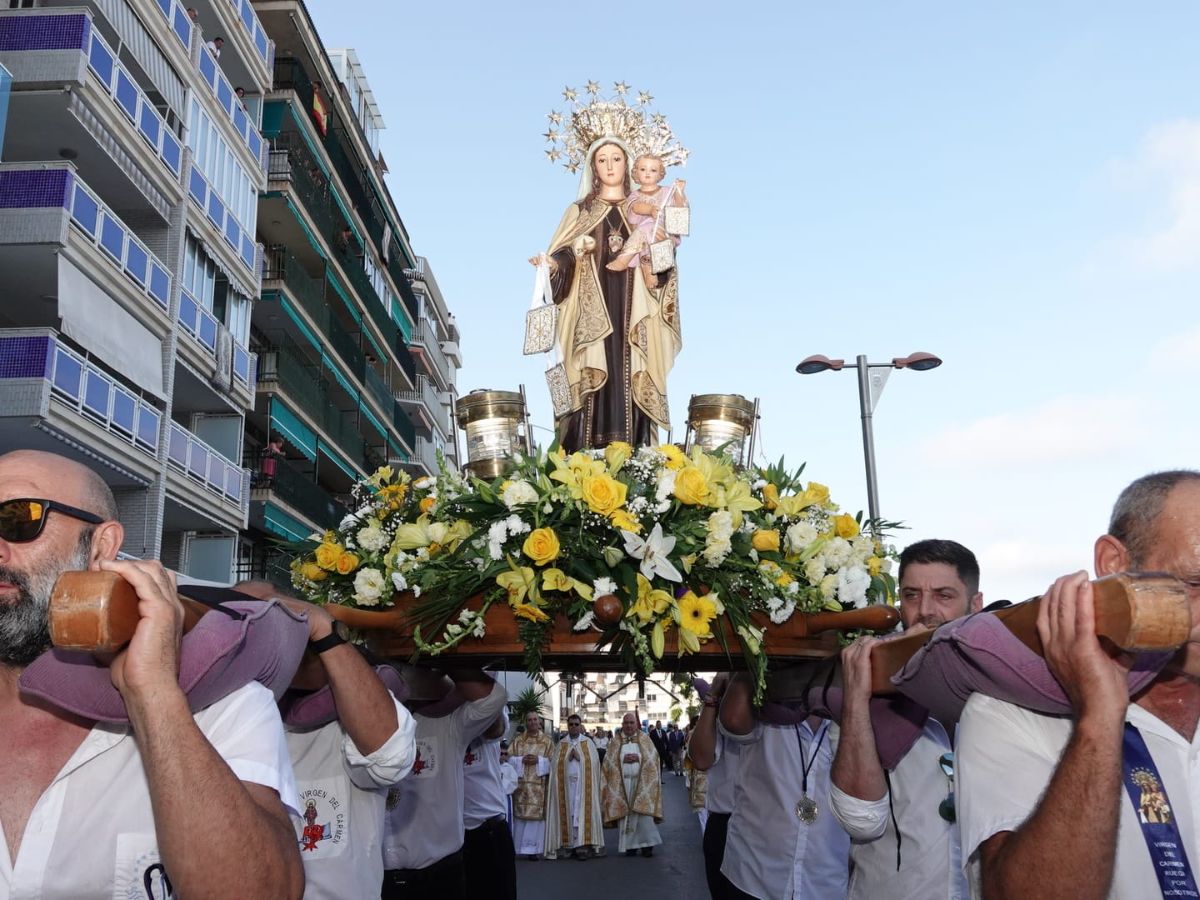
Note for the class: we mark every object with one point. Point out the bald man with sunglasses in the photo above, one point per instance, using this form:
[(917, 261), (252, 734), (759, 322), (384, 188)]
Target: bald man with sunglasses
[(175, 804)]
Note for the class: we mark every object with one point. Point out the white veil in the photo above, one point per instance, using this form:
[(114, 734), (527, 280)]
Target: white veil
[(585, 180)]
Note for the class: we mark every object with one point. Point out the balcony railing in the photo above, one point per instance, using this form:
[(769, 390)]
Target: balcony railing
[(132, 100), (378, 389), (203, 464), (177, 17), (425, 336), (305, 496), (202, 326), (109, 233), (403, 424), (228, 100), (426, 454), (263, 45), (222, 218), (80, 385), (425, 395)]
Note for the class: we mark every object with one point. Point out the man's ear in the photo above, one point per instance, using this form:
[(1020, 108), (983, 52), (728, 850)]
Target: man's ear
[(106, 541), (1110, 556), (975, 604)]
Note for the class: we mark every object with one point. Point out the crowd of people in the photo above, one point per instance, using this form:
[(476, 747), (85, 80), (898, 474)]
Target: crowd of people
[(356, 780)]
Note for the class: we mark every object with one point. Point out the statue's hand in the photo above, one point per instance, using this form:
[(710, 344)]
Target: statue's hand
[(584, 244), (536, 261)]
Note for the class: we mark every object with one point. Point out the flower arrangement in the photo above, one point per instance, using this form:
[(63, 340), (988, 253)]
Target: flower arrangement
[(631, 543)]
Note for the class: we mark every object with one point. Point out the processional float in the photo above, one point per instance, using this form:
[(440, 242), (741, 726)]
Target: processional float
[(612, 551)]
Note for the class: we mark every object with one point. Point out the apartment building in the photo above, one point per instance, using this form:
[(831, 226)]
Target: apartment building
[(129, 190), (206, 283)]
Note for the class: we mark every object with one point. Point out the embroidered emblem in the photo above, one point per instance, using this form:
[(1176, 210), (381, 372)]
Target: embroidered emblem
[(325, 824), (1153, 808)]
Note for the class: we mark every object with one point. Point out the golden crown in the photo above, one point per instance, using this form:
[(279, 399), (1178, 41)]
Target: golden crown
[(572, 133)]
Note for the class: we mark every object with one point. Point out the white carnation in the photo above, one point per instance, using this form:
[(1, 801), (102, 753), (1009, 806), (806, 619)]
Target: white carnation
[(372, 539), (829, 586), (604, 586), (517, 492), (666, 485), (368, 586), (837, 552), (516, 525), (852, 585), (814, 569), (399, 582), (783, 612), (585, 622)]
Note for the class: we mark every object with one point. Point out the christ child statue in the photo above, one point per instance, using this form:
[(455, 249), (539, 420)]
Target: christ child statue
[(643, 210)]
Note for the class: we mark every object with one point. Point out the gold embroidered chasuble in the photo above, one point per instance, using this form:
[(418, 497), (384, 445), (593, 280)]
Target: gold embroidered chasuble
[(654, 336), (529, 799), (647, 796), (558, 815)]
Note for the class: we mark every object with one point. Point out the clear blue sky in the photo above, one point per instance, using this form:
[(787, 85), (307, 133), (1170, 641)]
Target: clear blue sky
[(1016, 189)]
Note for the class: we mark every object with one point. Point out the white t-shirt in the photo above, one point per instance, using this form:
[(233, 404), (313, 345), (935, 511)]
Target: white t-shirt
[(769, 852), (1007, 755), (342, 796), (91, 834), (485, 781), (425, 823), (721, 790), (930, 863)]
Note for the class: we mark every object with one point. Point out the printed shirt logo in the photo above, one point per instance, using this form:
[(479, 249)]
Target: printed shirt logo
[(325, 819), (139, 873), (426, 760), (1153, 808)]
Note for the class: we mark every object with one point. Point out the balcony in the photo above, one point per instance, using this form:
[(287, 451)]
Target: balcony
[(177, 17), (45, 381), (426, 455), (303, 495), (425, 342), (263, 45), (206, 335), (239, 239), (425, 407), (235, 112), (202, 468)]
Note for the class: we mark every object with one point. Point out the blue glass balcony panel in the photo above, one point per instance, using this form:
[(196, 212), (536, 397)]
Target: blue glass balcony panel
[(68, 374), (165, 6), (101, 63), (127, 94), (124, 411), (85, 211), (96, 393), (198, 462), (149, 125), (160, 285), (136, 262), (248, 251), (241, 364), (208, 331), (224, 94), (172, 155), (112, 237), (197, 187), (240, 121), (208, 66), (216, 209), (182, 25), (188, 312), (233, 233), (233, 483), (247, 16), (147, 426), (255, 143), (177, 446), (260, 42)]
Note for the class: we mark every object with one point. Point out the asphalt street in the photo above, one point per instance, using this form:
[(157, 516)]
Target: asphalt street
[(676, 869)]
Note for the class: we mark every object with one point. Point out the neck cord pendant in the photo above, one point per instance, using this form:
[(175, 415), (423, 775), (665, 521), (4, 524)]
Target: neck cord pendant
[(806, 806)]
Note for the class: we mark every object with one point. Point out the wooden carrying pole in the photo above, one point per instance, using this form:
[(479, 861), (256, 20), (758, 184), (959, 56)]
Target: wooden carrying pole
[(1133, 612)]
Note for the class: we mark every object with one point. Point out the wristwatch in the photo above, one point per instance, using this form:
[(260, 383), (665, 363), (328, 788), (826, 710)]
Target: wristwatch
[(339, 634)]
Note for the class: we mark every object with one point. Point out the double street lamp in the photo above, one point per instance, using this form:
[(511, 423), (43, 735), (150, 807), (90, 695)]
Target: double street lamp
[(871, 379)]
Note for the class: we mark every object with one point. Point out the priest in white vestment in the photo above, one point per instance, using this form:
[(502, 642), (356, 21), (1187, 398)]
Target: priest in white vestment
[(573, 822)]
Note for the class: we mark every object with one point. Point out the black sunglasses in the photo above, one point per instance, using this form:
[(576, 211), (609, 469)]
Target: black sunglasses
[(23, 519), (946, 808)]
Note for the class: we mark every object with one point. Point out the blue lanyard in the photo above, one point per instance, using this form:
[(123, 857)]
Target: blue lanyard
[(1150, 805)]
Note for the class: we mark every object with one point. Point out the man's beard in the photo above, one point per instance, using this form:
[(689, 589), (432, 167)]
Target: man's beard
[(25, 624)]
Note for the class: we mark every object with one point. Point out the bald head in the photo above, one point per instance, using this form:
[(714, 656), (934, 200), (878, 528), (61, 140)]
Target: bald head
[(48, 476)]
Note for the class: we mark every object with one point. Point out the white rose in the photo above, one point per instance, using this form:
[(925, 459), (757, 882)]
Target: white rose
[(814, 569), (368, 586), (852, 584), (799, 536), (837, 552), (829, 586)]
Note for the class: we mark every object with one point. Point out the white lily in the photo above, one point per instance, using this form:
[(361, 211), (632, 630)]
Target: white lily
[(653, 551)]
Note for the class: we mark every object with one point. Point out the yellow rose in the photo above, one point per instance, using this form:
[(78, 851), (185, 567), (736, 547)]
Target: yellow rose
[(816, 494), (603, 494), (623, 520), (616, 453), (874, 565), (427, 503), (844, 526), (327, 556), (675, 457), (766, 540), (541, 546), (312, 571), (691, 487), (770, 496), (346, 563)]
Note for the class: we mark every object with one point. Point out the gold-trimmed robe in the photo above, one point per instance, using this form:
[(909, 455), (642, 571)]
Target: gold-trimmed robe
[(647, 796), (558, 807), (529, 799), (650, 321)]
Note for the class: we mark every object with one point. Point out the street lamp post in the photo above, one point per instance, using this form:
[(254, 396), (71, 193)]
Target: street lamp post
[(871, 379)]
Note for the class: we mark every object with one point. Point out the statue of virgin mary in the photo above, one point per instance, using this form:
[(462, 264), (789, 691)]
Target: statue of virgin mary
[(617, 336)]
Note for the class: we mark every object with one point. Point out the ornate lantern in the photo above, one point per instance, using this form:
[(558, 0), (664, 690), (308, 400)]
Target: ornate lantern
[(496, 427), (722, 419)]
